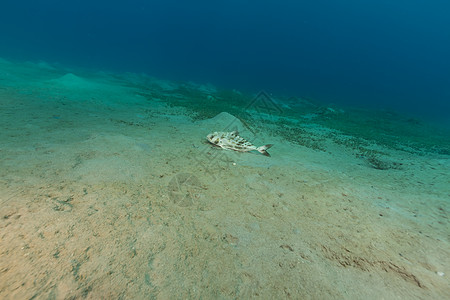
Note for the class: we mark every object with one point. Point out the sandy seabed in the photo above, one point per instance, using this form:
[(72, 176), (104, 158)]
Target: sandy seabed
[(108, 194)]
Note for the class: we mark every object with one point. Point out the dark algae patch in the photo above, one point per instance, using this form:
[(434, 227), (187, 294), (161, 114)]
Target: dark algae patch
[(390, 129), (384, 128)]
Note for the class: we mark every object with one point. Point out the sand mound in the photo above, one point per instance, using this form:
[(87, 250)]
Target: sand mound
[(70, 81), (4, 61), (45, 65), (223, 122)]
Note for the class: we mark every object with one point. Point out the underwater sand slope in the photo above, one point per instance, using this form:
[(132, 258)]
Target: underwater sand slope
[(108, 190)]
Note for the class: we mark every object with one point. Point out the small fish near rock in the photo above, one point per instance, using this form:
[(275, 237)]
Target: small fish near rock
[(232, 140)]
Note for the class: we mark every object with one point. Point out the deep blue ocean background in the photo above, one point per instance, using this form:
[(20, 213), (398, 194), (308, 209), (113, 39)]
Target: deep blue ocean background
[(374, 54)]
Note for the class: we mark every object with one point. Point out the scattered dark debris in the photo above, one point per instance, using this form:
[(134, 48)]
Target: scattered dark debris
[(287, 247), (299, 136), (346, 258), (230, 239), (127, 123), (63, 205), (378, 163)]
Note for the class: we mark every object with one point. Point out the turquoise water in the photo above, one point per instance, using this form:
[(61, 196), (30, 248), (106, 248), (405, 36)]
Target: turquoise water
[(375, 54)]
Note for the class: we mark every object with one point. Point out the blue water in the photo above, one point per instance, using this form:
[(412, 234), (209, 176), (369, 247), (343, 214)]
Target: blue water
[(374, 54)]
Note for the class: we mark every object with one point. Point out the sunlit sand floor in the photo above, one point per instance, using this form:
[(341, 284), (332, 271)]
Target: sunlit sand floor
[(108, 191)]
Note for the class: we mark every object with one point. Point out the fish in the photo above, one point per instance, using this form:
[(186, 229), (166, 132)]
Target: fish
[(232, 141)]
